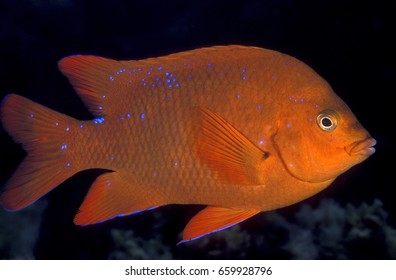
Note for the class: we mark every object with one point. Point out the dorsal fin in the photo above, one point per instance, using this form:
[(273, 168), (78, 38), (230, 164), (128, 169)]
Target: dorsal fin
[(103, 84), (91, 77)]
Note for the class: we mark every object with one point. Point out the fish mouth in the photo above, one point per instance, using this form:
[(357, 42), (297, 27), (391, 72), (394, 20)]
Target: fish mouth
[(362, 148)]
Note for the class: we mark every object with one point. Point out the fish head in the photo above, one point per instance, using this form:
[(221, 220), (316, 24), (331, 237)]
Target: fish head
[(319, 137)]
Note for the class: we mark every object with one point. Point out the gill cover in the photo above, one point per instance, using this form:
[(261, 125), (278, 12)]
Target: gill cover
[(309, 148)]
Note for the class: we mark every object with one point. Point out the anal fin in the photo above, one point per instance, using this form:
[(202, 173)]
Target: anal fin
[(110, 196), (213, 219)]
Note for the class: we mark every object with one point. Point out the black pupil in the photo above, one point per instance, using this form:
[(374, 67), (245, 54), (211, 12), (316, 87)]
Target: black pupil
[(326, 122)]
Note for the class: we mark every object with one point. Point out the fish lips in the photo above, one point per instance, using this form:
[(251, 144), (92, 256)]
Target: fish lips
[(364, 148)]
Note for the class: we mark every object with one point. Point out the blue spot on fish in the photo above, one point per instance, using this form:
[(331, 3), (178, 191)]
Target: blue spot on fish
[(98, 120)]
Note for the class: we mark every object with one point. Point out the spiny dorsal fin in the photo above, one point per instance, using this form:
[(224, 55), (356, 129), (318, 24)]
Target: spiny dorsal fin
[(103, 84)]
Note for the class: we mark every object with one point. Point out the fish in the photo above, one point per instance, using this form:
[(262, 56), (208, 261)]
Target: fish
[(238, 129)]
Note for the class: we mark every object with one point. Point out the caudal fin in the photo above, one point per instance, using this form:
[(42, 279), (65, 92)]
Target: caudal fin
[(42, 133)]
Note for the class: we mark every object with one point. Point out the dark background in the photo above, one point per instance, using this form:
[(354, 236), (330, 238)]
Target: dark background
[(349, 43)]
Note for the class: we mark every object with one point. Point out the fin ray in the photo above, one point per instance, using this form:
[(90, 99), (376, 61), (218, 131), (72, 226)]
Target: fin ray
[(35, 127), (213, 219), (235, 158), (91, 78), (110, 196)]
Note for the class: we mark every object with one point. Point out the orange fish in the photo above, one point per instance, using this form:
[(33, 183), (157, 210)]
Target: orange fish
[(239, 129)]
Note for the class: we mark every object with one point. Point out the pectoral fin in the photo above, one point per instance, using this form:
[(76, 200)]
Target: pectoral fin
[(233, 157), (213, 219)]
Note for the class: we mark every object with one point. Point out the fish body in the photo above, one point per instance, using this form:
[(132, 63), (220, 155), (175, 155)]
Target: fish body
[(240, 129)]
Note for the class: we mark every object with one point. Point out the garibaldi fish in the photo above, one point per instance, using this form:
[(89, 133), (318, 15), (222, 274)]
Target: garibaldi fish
[(239, 129)]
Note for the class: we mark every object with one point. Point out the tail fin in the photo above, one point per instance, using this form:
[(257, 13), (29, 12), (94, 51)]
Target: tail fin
[(43, 133)]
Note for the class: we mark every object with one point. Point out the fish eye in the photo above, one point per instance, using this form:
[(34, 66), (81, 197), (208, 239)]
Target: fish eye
[(327, 120)]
